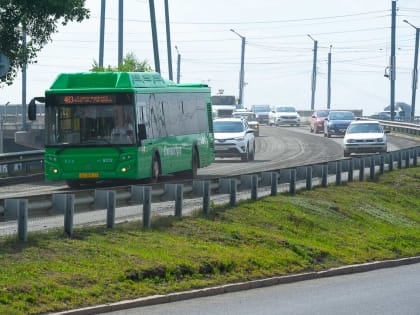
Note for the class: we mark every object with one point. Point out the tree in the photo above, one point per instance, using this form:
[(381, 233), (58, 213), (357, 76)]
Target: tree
[(39, 19), (130, 64)]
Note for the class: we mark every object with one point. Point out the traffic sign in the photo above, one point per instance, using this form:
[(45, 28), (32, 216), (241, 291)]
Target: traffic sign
[(4, 65)]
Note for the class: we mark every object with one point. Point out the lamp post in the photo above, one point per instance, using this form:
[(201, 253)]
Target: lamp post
[(241, 76), (414, 83), (1, 127), (178, 66), (313, 72), (329, 80)]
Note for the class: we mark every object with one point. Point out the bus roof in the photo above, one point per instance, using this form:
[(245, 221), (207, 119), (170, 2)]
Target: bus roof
[(113, 80)]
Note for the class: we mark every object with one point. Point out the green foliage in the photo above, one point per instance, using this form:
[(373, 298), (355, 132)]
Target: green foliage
[(130, 64), (313, 230), (39, 19)]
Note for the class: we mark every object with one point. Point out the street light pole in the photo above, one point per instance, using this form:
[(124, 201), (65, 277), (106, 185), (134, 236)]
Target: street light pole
[(241, 76), (329, 79), (178, 66), (313, 72), (414, 83), (1, 127)]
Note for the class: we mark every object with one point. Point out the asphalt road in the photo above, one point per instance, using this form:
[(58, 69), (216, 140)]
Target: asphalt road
[(385, 291)]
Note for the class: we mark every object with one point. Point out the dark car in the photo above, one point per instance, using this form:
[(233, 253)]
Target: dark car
[(336, 123), (262, 112), (317, 120)]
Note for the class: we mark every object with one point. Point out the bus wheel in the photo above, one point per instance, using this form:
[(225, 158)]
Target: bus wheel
[(155, 170)]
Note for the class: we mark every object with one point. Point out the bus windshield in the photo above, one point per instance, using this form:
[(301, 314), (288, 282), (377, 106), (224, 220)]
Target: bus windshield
[(90, 124)]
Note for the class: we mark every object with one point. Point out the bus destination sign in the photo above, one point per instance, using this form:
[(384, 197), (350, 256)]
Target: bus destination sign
[(88, 99)]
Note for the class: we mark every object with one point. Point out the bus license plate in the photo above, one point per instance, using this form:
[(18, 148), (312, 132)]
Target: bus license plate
[(88, 175)]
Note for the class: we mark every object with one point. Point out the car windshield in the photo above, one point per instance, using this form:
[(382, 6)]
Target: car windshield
[(322, 113), (228, 126), (341, 116), (365, 128), (285, 109), (260, 109)]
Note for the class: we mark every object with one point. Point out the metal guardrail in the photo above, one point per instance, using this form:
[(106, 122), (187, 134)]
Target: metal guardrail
[(99, 205)]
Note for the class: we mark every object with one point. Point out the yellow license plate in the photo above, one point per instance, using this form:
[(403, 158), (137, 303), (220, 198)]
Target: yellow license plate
[(88, 175)]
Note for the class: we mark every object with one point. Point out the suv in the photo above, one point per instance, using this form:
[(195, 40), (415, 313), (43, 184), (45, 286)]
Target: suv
[(284, 115), (262, 112), (336, 122), (233, 138)]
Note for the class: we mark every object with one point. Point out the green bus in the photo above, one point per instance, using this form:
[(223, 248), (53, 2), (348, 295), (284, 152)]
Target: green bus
[(124, 125)]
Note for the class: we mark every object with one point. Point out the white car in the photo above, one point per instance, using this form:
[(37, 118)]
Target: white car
[(364, 137), (233, 138), (284, 115)]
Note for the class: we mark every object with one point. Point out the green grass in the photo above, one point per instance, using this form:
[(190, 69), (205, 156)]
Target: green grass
[(313, 230)]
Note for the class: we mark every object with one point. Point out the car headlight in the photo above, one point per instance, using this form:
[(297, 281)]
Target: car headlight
[(239, 139)]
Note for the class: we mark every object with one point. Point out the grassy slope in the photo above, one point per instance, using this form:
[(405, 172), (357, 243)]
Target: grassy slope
[(318, 229)]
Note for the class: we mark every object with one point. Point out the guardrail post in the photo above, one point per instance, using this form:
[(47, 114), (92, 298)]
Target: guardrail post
[(69, 215), (147, 207), (382, 164), (292, 187), (179, 198), (324, 181), (110, 211), (391, 162), (206, 197), (372, 168), (407, 158), (339, 168), (399, 159), (309, 177), (350, 170), (415, 157), (22, 216), (233, 185), (254, 187), (362, 170), (274, 182)]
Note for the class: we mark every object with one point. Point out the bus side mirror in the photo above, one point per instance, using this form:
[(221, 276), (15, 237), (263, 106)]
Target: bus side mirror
[(32, 107), (142, 132)]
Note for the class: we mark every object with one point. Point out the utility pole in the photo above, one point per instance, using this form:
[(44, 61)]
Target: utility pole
[(154, 35), (24, 128), (120, 32), (414, 82), (329, 80), (313, 72), (392, 63), (168, 40), (102, 35), (178, 64), (241, 75)]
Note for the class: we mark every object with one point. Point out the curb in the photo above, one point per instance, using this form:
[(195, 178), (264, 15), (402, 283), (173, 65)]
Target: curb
[(227, 288)]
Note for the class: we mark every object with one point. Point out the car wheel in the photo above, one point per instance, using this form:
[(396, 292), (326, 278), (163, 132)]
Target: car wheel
[(252, 153), (245, 156), (346, 153)]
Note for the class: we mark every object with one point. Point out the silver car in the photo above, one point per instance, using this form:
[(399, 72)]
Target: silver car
[(233, 138), (364, 137)]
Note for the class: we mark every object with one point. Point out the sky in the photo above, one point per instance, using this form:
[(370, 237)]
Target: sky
[(278, 51)]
